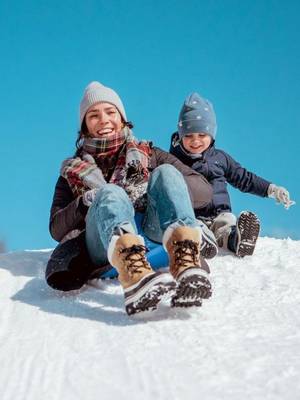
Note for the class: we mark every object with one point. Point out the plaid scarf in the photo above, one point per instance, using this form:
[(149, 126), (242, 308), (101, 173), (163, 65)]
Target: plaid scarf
[(127, 158), (107, 146), (122, 160)]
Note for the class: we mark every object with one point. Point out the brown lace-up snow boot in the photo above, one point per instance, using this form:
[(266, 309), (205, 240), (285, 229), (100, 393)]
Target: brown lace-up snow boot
[(143, 288), (187, 266)]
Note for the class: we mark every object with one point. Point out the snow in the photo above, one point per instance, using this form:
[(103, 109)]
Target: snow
[(242, 344)]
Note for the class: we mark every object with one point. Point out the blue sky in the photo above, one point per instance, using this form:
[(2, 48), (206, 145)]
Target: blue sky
[(242, 55)]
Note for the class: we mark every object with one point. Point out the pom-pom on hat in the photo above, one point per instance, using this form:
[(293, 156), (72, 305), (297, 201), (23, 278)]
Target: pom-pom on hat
[(94, 93), (197, 115)]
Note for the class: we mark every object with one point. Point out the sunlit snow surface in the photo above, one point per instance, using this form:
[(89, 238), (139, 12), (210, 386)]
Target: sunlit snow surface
[(244, 343)]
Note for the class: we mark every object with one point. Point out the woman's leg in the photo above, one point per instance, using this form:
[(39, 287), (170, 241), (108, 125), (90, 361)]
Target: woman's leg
[(170, 218), (110, 210), (168, 202), (111, 234)]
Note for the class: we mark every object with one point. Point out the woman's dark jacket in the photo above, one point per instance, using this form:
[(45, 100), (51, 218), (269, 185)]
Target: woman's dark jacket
[(219, 168), (70, 266)]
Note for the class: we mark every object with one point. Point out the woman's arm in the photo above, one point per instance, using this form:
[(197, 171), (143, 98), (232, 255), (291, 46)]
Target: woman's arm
[(66, 212), (199, 189)]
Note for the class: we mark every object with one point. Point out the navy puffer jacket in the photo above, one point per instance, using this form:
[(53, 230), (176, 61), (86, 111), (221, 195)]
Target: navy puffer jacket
[(219, 169)]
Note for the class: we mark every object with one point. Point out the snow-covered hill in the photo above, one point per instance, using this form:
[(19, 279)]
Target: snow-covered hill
[(244, 343)]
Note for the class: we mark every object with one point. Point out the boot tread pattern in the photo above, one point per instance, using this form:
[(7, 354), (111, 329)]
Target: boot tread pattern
[(208, 250), (147, 297), (191, 289), (248, 227), (209, 246)]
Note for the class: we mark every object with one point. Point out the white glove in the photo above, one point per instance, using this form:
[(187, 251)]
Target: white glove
[(281, 195), (89, 196)]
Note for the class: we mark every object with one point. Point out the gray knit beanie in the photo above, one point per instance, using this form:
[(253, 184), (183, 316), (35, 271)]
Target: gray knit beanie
[(197, 115), (94, 93)]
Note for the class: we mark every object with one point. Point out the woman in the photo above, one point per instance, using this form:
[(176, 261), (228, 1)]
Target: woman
[(110, 179)]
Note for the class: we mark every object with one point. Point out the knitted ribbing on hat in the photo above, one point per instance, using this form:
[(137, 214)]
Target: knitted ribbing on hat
[(94, 93)]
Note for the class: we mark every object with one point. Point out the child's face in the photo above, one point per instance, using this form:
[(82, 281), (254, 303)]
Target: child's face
[(196, 143), (103, 120)]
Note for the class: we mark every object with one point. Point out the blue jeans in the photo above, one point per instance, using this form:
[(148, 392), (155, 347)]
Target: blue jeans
[(168, 201)]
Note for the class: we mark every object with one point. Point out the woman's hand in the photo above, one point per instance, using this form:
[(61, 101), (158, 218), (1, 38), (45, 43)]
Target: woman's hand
[(84, 170)]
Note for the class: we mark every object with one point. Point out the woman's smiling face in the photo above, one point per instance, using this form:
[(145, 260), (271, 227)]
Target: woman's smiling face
[(103, 120)]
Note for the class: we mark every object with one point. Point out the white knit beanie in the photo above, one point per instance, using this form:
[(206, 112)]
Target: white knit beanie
[(94, 93)]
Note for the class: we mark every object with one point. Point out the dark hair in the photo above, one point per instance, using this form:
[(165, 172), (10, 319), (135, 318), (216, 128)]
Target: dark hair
[(81, 134), (85, 133)]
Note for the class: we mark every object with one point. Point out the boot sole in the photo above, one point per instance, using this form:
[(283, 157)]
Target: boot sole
[(208, 250), (192, 286), (209, 247), (248, 227), (149, 293)]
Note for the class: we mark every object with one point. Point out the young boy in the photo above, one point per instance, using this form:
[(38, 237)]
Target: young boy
[(193, 144)]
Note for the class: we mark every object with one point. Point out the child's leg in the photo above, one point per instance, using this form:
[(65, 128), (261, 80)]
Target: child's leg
[(237, 235), (222, 227)]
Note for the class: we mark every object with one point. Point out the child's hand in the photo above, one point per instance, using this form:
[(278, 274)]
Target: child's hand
[(281, 195)]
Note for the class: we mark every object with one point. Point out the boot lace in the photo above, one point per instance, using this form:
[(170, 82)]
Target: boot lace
[(135, 260), (186, 252)]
